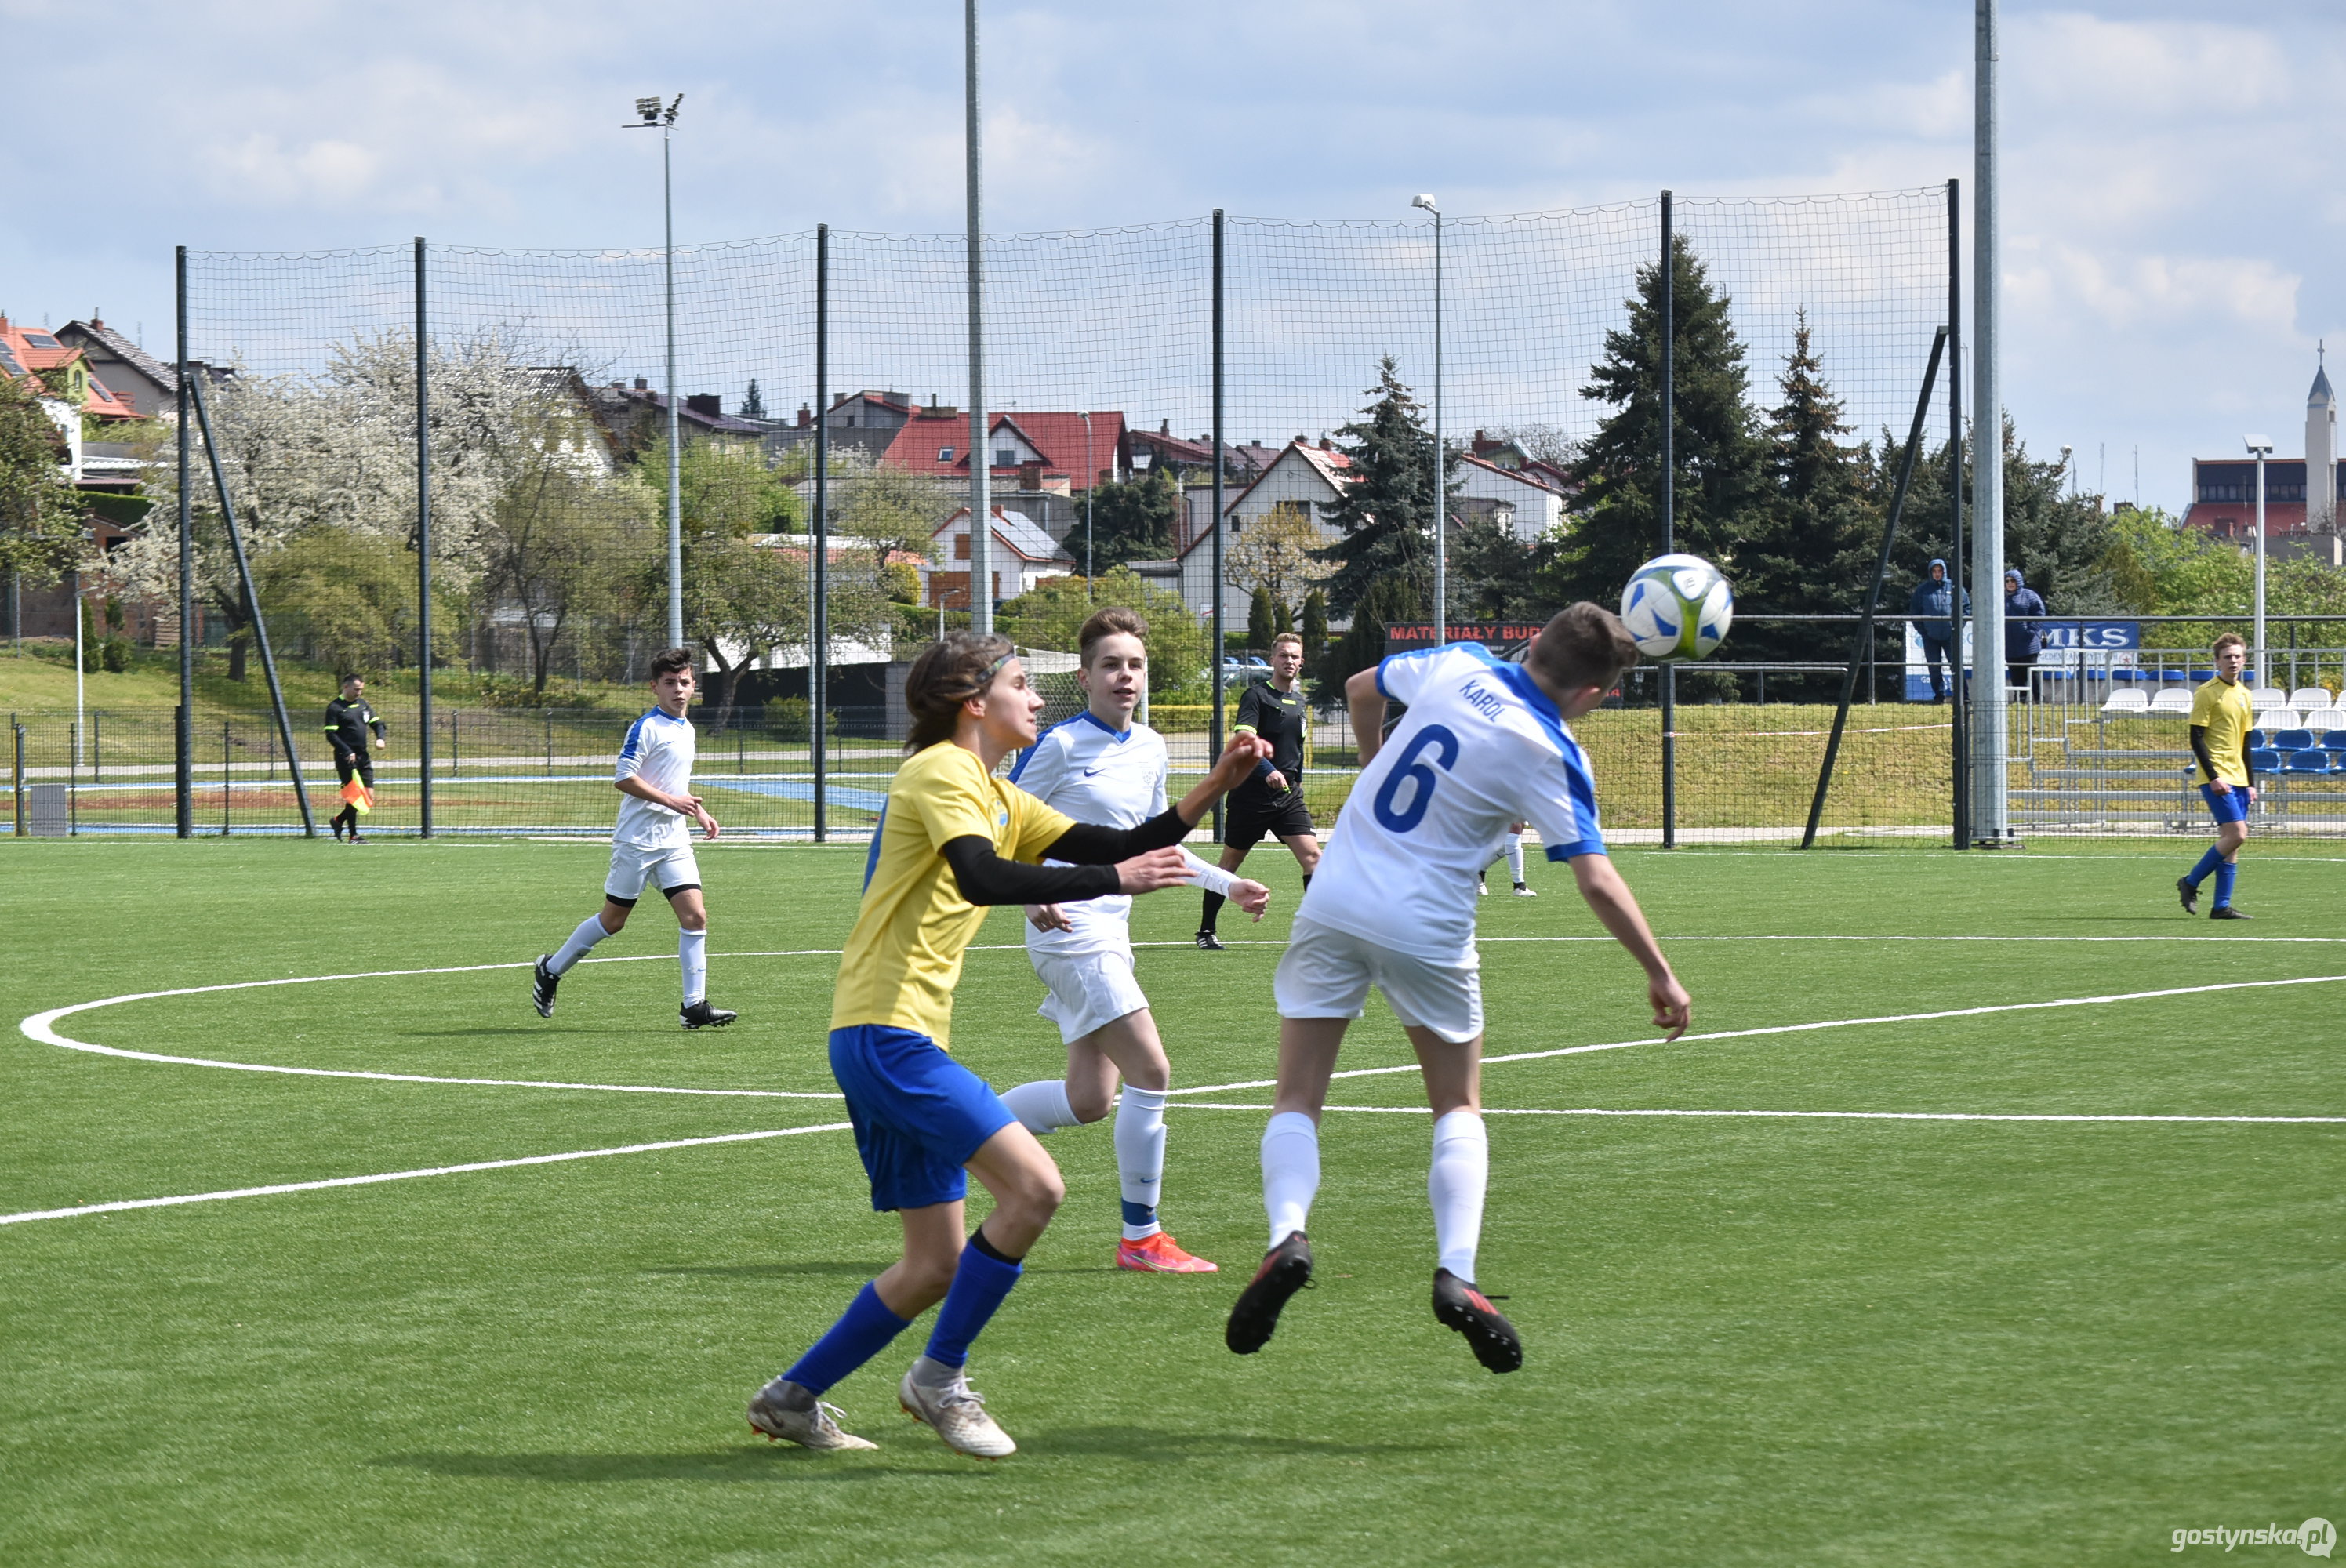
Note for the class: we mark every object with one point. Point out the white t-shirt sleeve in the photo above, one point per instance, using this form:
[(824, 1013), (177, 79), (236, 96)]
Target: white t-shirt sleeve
[(1558, 796), (1207, 875), (1402, 677), (636, 750), (1042, 766)]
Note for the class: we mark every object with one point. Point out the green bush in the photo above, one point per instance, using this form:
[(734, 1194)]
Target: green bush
[(114, 654)]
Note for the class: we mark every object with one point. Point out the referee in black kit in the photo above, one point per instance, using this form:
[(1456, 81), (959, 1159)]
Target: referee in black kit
[(1272, 801), (348, 720)]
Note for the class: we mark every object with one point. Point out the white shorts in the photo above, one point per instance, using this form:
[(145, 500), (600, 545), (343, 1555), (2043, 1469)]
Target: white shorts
[(1326, 973), (671, 870), (1088, 990)]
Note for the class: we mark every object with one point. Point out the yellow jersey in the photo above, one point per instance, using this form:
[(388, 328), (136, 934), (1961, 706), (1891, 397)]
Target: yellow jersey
[(903, 958), (2223, 708)]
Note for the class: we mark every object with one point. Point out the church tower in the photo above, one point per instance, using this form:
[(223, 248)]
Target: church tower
[(2321, 455)]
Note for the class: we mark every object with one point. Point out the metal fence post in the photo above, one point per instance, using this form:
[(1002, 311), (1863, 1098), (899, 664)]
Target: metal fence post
[(819, 663), (16, 781), (183, 771), (227, 759), (1220, 594), (1669, 523), (423, 555), (1957, 740)]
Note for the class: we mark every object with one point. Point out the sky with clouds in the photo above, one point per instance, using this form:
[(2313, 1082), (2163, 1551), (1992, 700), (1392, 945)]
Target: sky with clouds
[(2171, 223)]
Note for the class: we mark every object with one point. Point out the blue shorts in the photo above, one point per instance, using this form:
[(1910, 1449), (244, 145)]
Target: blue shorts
[(919, 1114), (2229, 806)]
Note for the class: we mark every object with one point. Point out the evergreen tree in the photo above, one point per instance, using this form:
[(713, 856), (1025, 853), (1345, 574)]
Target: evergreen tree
[(1134, 521), (1314, 626), (1390, 598), (1809, 549), (753, 406), (1386, 515), (41, 513), (1719, 472), (1263, 620)]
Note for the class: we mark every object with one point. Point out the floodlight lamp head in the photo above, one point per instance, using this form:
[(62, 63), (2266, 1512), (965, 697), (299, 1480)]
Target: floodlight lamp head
[(649, 109), (674, 107), (1424, 200), (2259, 445)]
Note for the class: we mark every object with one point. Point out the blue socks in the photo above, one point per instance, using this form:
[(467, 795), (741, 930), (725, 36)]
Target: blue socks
[(2225, 874), (1139, 1216), (981, 1282), (2207, 863), (861, 1332)]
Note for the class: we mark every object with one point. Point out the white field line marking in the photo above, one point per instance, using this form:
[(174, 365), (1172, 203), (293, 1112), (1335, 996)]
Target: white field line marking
[(41, 1026), (1823, 1115), (121, 1205), (1808, 1028)]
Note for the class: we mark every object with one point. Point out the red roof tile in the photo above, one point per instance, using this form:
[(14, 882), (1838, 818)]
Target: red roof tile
[(1059, 437)]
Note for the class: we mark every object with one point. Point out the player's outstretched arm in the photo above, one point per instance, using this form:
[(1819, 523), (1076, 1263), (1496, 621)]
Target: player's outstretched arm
[(1615, 908), (1368, 706)]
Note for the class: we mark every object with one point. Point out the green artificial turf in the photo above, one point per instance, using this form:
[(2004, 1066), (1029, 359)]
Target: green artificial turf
[(1749, 1339)]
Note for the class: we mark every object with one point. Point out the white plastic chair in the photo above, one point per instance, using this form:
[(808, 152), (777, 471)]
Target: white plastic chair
[(2321, 721), (2307, 699), (2277, 719), (2173, 699), (2127, 700), (2264, 697)]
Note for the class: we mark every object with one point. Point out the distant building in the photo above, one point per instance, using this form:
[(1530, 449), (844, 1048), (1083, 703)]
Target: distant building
[(1020, 556), (1300, 479), (144, 386), (2301, 519)]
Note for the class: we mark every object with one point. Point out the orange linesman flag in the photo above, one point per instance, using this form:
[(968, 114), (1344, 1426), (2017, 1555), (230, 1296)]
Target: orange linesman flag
[(357, 795)]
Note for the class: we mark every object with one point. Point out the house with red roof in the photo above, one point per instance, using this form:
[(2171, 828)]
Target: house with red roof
[(1302, 480), (1044, 452)]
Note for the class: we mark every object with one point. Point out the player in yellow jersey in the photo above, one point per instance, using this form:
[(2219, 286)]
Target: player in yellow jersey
[(953, 839), (2221, 718)]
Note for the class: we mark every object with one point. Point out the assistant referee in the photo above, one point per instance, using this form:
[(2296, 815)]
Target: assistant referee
[(1272, 801), (348, 720)]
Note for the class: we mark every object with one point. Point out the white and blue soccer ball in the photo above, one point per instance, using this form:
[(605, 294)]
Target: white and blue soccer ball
[(1677, 607)]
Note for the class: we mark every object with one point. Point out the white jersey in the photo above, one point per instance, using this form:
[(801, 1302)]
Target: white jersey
[(1480, 750), (1114, 777), (658, 750)]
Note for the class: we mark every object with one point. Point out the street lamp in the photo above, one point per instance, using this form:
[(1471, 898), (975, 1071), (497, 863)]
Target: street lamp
[(2261, 447), (1441, 501), (650, 115), (1091, 483)]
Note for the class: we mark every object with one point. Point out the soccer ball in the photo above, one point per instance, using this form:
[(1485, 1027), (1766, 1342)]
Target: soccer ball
[(1677, 607)]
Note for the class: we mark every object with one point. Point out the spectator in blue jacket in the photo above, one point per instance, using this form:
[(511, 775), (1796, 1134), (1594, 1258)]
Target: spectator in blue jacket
[(1928, 609), (2024, 633)]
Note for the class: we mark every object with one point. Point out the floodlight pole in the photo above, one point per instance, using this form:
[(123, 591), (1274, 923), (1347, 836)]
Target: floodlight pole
[(1991, 735), (675, 455), (423, 555), (2261, 448), (981, 499)]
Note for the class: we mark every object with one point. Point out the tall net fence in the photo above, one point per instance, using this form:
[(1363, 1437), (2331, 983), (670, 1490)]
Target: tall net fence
[(545, 437)]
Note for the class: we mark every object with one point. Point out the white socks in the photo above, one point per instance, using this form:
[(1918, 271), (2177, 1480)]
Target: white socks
[(1462, 1169), (692, 952), (1515, 858), (1141, 1157), (1291, 1172), (590, 931), (1041, 1106)]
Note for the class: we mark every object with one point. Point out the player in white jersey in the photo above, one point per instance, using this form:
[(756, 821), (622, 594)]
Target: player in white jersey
[(652, 844), (1102, 767), (1483, 745)]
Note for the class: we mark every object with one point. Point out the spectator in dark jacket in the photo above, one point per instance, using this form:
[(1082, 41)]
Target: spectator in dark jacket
[(1928, 609), (2023, 633)]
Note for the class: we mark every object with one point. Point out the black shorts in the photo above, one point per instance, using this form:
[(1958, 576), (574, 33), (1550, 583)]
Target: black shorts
[(1251, 816), (362, 765)]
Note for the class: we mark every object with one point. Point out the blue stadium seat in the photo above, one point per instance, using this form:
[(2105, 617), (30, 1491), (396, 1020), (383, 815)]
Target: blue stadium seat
[(2308, 760), (2257, 738), (2292, 740), (2264, 760), (2334, 741)]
